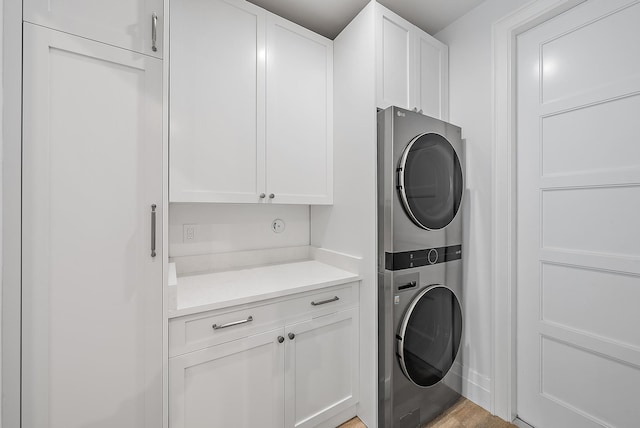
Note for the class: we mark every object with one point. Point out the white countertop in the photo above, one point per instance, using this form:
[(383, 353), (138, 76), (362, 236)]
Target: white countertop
[(205, 292)]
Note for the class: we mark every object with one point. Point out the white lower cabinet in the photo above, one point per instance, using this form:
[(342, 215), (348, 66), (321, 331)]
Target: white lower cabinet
[(235, 384), (321, 368), (301, 374)]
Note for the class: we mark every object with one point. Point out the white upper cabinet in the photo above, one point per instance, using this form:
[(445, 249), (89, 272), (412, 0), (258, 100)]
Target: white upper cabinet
[(251, 98), (216, 101), (129, 24), (432, 76), (396, 71), (412, 66), (299, 114)]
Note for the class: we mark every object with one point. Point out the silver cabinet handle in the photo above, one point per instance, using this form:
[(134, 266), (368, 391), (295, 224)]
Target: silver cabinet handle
[(154, 32), (292, 336), (153, 230), (262, 195), (271, 196), (322, 302), (280, 339), (231, 324)]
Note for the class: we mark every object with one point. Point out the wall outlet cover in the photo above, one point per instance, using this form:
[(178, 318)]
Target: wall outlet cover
[(188, 233), (277, 225)]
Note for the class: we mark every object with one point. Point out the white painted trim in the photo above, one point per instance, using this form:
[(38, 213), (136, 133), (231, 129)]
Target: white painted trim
[(168, 294), (475, 386), (11, 210), (504, 32)]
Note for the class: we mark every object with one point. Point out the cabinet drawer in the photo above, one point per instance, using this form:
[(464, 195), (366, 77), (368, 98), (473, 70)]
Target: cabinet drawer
[(198, 331), (326, 300), (193, 332)]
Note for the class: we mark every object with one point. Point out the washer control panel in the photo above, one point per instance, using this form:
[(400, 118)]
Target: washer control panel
[(424, 257)]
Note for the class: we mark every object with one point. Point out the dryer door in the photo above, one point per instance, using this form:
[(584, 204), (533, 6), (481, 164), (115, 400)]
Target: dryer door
[(430, 335), (430, 181)]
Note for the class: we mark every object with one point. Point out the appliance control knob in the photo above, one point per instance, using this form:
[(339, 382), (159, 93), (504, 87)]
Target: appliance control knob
[(432, 257)]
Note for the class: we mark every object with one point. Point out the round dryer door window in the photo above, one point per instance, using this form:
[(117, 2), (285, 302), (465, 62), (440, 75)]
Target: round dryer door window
[(430, 335), (430, 181)]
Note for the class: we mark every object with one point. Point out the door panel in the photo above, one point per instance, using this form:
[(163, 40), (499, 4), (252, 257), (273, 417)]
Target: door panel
[(299, 114), (321, 368), (601, 148), (432, 76), (395, 81), (217, 101), (123, 23), (236, 384), (92, 293), (578, 198)]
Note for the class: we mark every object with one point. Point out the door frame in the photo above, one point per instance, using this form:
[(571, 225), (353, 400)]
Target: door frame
[(504, 216), (11, 207)]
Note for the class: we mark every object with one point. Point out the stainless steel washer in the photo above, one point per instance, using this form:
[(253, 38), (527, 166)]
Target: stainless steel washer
[(420, 307)]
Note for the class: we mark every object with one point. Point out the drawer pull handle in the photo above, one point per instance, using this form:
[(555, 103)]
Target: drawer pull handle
[(231, 324), (322, 302)]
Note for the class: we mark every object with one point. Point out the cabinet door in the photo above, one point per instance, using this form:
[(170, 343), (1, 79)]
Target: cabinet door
[(217, 101), (299, 115), (92, 291), (432, 70), (124, 23), (321, 368), (395, 60), (236, 384)]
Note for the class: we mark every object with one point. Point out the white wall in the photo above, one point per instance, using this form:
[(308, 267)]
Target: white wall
[(470, 92), (224, 228)]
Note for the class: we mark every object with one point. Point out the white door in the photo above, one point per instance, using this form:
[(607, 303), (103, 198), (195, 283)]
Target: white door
[(91, 290), (299, 125), (395, 60), (321, 368), (578, 224), (217, 101), (124, 23), (237, 384), (432, 75)]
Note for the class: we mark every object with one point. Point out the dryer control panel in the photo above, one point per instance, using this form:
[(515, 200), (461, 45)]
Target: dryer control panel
[(424, 257)]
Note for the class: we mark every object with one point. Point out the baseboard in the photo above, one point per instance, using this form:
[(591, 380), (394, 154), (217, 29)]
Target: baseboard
[(475, 387), (521, 424), (339, 419)]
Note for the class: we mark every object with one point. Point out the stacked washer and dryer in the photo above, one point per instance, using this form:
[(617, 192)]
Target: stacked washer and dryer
[(420, 189)]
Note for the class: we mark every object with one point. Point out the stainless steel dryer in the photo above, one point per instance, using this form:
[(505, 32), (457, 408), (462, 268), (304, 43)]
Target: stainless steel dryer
[(420, 190)]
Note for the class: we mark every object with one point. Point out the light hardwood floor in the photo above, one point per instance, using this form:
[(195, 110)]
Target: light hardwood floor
[(463, 414)]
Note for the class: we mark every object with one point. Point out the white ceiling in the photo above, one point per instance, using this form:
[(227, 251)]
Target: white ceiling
[(329, 17)]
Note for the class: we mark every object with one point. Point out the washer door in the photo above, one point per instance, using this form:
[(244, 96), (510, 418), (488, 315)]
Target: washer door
[(430, 335), (430, 181)]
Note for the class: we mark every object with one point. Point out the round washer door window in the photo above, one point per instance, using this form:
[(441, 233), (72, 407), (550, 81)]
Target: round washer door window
[(429, 336), (430, 181)]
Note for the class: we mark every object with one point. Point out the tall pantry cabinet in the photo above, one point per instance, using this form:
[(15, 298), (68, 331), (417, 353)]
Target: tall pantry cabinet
[(92, 204)]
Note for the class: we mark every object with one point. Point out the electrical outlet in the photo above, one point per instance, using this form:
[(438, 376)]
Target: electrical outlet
[(277, 225), (188, 233)]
